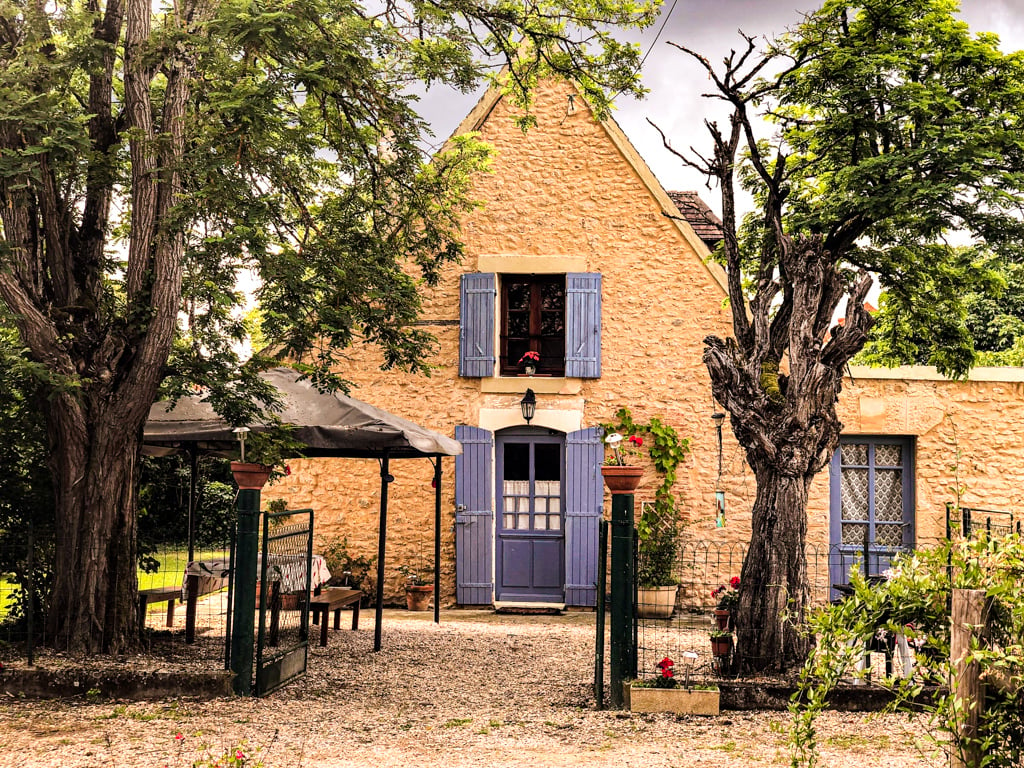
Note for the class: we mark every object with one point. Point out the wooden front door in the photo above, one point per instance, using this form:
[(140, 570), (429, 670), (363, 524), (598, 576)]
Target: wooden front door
[(530, 516)]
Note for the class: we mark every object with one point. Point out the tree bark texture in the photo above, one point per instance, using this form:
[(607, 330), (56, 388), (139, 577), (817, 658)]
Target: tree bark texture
[(773, 583), (105, 354)]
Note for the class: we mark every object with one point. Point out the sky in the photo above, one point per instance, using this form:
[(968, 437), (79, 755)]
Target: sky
[(675, 82)]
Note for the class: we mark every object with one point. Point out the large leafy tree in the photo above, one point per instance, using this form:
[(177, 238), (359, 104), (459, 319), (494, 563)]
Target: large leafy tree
[(895, 126), (150, 153)]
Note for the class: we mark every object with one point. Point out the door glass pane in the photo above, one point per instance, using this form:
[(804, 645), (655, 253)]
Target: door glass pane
[(517, 462), (889, 495), (555, 522), (854, 490), (540, 522), (888, 455), (548, 461), (522, 522), (854, 453), (853, 533), (888, 535)]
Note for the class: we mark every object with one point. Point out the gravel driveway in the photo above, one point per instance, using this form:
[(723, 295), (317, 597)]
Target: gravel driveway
[(478, 690)]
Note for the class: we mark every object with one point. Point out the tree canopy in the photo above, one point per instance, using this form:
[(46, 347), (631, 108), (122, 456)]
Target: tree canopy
[(154, 153), (894, 128)]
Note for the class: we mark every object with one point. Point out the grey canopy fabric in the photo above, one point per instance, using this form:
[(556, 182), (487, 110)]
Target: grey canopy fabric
[(327, 424)]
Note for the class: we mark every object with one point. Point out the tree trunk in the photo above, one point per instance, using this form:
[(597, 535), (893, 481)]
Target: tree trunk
[(95, 452), (773, 584)]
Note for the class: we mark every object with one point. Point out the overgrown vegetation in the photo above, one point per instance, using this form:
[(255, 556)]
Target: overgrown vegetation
[(913, 602)]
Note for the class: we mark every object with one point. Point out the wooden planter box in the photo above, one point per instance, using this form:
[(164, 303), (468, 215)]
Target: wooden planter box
[(679, 701)]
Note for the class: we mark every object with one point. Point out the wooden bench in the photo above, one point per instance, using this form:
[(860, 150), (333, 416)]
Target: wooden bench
[(155, 595), (334, 599)]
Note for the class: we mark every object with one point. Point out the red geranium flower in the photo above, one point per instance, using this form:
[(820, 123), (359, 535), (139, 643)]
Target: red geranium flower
[(636, 440), (734, 582)]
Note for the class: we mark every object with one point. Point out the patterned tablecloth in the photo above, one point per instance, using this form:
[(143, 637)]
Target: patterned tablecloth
[(290, 570)]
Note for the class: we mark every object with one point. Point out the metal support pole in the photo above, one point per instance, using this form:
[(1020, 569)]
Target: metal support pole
[(437, 539), (382, 537), (246, 555), (622, 663), (602, 587)]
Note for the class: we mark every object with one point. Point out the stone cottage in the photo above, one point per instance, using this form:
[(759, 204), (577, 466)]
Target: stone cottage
[(579, 255)]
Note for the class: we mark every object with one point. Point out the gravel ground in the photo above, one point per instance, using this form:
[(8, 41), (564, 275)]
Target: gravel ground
[(478, 690)]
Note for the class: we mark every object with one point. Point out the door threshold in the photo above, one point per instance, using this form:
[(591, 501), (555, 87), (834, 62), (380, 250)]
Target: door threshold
[(505, 604)]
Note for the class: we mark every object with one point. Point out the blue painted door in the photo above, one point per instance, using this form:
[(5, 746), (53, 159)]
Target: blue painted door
[(530, 492), (872, 504)]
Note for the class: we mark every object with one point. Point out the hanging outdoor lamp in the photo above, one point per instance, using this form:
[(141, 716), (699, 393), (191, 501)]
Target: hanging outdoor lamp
[(719, 419), (529, 405)]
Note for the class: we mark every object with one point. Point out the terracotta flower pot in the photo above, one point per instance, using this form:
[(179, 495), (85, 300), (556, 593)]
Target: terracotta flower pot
[(622, 479), (722, 617), (250, 477), (721, 646), (417, 596)]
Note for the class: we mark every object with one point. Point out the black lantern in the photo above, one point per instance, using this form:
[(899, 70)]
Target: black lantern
[(719, 418), (529, 405)]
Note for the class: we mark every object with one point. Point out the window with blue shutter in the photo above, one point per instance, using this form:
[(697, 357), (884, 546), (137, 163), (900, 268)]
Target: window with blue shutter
[(476, 325), (583, 325), (584, 502), (474, 518)]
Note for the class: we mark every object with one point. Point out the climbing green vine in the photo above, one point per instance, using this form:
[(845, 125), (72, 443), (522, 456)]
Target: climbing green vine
[(664, 446)]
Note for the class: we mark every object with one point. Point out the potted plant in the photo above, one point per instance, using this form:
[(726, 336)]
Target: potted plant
[(664, 693), (418, 586), (619, 476), (657, 546), (721, 643), (529, 362), (727, 597)]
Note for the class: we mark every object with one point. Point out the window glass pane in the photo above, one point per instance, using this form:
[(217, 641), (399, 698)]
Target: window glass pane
[(548, 465), (889, 495), (854, 453), (889, 535), (508, 521), (552, 351), (854, 490), (552, 324), (523, 504), (519, 296), (552, 297), (889, 455), (519, 324), (517, 461), (853, 533)]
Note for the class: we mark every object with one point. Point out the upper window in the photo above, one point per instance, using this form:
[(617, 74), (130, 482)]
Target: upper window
[(533, 319)]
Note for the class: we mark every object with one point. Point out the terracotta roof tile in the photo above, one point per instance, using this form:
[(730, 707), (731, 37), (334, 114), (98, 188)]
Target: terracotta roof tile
[(705, 223)]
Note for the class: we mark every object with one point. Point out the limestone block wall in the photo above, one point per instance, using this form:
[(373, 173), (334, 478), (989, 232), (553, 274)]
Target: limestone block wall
[(573, 195)]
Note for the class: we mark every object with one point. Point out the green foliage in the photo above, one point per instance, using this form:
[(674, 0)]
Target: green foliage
[(901, 127), (658, 528), (163, 502), (913, 602), (346, 569), (417, 575), (988, 325)]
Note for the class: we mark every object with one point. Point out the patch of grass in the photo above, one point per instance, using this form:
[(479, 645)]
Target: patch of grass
[(458, 722), (853, 740), (729, 746), (495, 724)]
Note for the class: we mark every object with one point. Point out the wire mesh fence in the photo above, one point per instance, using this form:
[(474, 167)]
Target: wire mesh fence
[(679, 621), (181, 609)]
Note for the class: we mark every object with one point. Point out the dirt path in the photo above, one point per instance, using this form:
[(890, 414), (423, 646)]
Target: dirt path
[(476, 691)]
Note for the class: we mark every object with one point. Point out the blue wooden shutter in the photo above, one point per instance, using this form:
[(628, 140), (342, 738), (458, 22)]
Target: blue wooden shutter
[(474, 518), (476, 324), (583, 325), (584, 502)]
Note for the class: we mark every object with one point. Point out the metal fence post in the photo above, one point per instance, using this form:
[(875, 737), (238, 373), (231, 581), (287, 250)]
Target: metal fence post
[(242, 626), (602, 586), (622, 596)]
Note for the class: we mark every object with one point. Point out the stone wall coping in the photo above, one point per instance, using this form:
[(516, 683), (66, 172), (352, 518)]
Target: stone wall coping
[(929, 373)]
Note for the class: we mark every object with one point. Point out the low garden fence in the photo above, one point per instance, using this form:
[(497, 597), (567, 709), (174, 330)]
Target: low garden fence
[(703, 567), (171, 625)]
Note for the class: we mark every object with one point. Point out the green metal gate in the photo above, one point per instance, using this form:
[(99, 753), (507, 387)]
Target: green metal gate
[(285, 571)]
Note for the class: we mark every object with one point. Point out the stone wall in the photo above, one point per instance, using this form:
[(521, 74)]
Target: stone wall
[(573, 195)]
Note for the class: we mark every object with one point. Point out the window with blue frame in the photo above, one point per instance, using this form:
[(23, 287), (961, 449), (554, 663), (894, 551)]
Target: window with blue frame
[(872, 502)]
